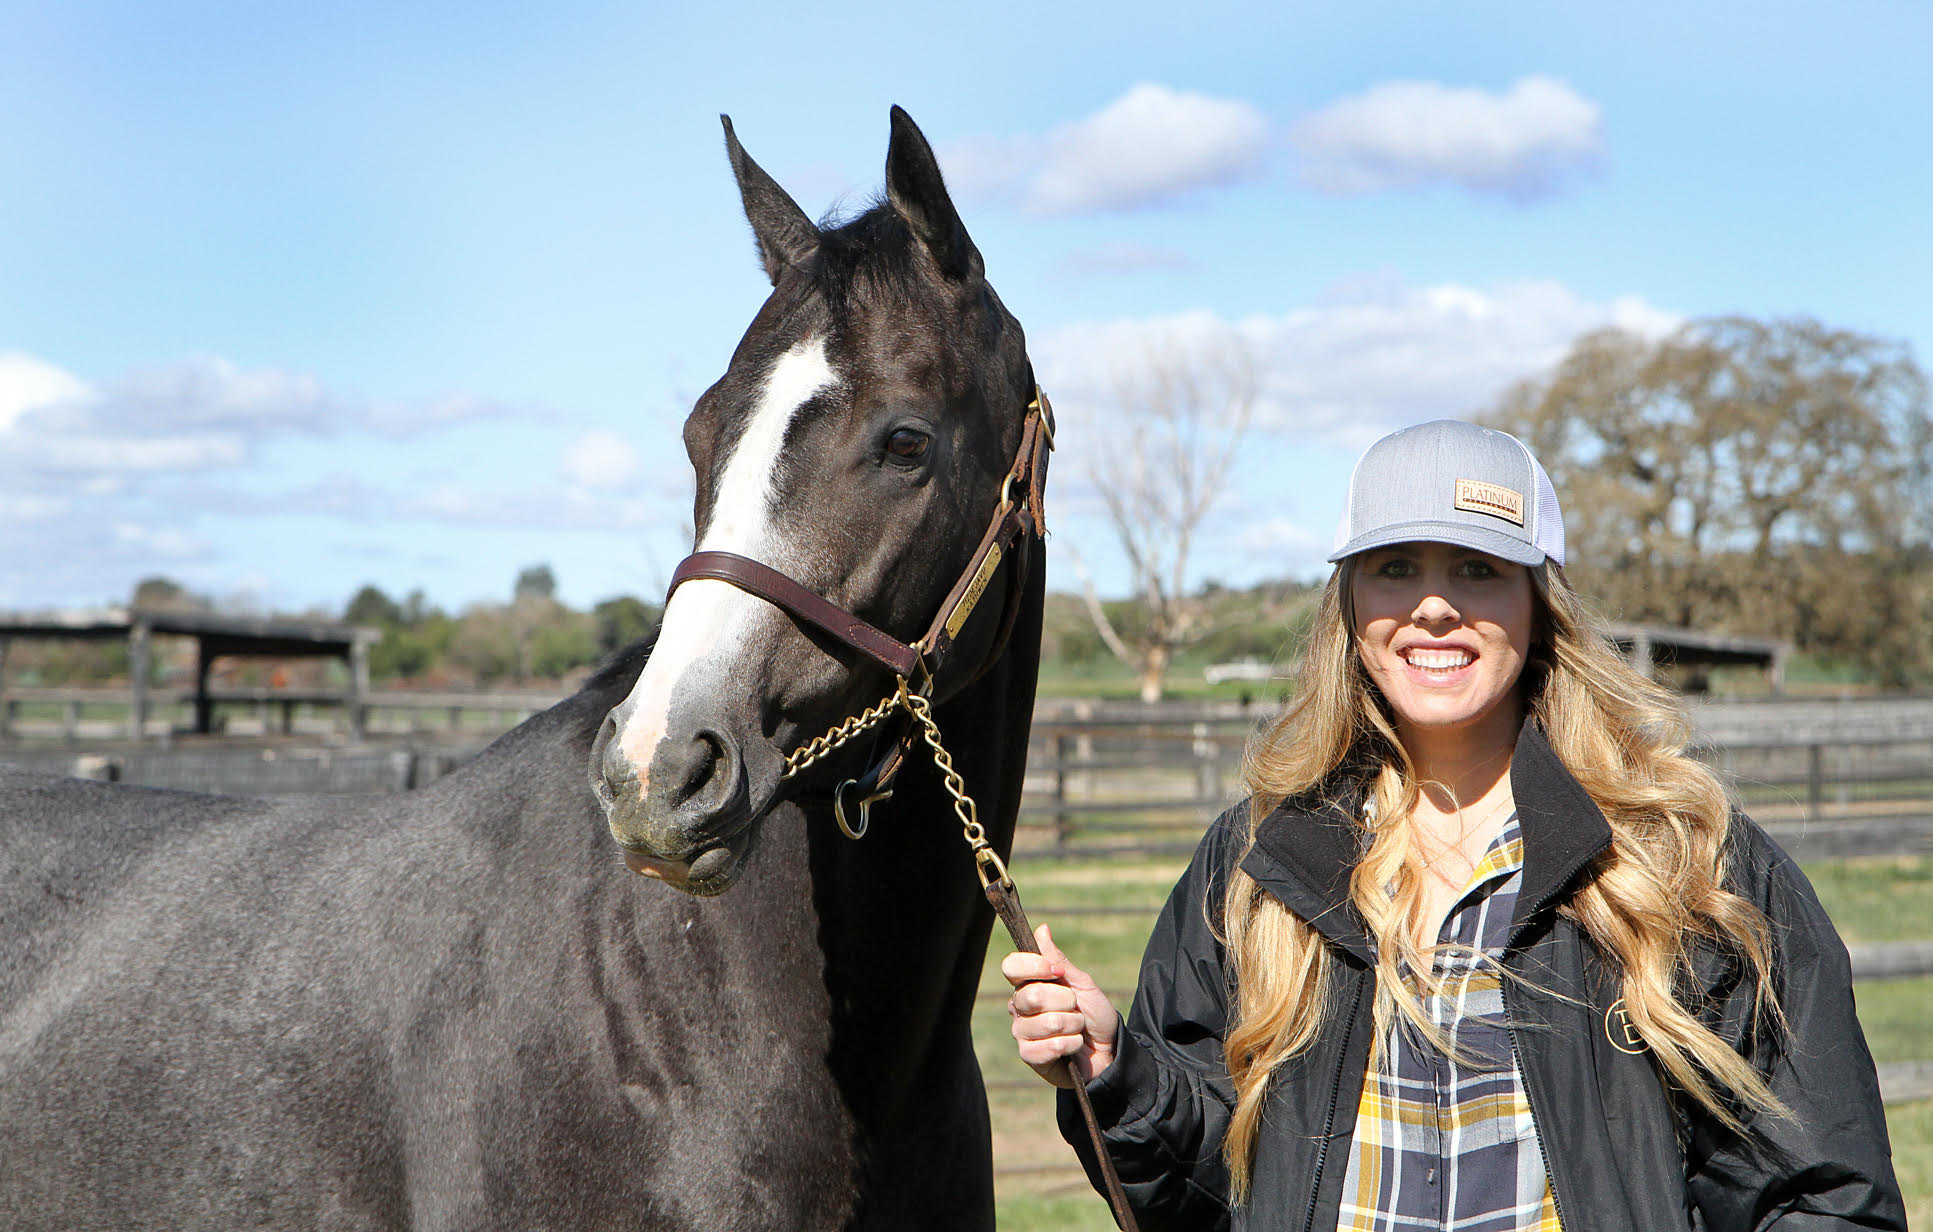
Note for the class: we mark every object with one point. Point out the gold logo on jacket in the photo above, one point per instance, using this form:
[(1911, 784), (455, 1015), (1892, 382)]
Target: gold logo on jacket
[(1619, 1029)]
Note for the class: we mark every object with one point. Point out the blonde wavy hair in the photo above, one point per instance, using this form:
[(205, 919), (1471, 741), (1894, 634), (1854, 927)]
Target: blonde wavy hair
[(1645, 902)]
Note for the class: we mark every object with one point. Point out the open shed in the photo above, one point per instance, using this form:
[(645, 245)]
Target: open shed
[(1651, 647), (215, 635)]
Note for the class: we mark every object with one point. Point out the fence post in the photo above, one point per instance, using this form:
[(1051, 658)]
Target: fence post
[(139, 638), (1815, 784), (1208, 779), (1084, 747), (1063, 820)]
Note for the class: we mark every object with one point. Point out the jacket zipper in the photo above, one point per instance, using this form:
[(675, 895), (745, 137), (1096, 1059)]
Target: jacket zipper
[(1517, 1058), (1329, 1122)]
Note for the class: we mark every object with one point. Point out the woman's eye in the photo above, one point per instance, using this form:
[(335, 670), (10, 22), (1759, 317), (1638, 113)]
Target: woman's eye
[(907, 443), (1395, 567), (1479, 569)]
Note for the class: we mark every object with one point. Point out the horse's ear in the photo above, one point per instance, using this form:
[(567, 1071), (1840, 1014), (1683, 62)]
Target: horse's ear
[(786, 237), (916, 191)]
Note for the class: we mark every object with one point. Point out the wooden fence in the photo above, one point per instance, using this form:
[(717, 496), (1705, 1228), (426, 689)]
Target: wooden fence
[(78, 714), (1828, 778), (1106, 786)]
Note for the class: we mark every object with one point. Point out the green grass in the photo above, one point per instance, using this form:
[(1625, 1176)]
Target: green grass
[(1893, 1015), (1108, 679), (1885, 898), (1087, 1212), (1911, 1126)]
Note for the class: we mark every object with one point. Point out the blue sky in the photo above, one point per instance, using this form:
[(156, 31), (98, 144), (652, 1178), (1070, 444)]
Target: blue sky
[(294, 298)]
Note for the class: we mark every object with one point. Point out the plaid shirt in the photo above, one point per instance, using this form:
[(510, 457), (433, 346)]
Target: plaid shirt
[(1448, 1142)]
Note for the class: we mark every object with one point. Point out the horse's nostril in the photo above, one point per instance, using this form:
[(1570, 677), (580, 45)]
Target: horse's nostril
[(611, 770), (707, 766)]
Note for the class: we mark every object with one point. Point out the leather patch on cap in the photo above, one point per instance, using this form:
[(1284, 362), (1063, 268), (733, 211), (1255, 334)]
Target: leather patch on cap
[(1476, 496)]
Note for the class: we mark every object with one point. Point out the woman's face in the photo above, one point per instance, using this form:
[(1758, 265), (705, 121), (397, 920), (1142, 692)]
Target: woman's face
[(1444, 632)]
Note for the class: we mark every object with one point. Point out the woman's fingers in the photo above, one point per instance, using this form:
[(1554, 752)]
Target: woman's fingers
[(1058, 1011), (1022, 968)]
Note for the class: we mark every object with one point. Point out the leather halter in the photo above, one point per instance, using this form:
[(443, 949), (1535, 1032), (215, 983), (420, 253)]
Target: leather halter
[(1020, 510)]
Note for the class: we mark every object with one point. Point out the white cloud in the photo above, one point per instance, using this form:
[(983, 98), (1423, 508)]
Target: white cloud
[(600, 459), (166, 543), (1151, 146), (1374, 355), (206, 392), (1126, 259), (102, 480), (97, 455), (1522, 144), (28, 384)]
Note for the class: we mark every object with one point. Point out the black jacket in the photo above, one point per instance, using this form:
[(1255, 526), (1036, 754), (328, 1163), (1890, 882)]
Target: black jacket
[(1624, 1153)]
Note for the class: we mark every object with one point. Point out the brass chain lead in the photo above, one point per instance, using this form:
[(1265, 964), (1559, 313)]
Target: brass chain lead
[(987, 861), (819, 747)]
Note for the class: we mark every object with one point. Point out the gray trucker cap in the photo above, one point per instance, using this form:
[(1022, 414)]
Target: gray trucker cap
[(1452, 482)]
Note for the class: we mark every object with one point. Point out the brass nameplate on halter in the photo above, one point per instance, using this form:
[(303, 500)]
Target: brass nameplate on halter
[(978, 587)]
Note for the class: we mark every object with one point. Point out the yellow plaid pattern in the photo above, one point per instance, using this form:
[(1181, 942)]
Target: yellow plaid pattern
[(1447, 1141)]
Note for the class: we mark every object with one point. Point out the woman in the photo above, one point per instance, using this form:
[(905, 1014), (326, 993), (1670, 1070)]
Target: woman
[(1484, 949)]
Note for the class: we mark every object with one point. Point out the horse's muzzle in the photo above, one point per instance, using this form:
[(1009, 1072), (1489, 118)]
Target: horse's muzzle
[(686, 818)]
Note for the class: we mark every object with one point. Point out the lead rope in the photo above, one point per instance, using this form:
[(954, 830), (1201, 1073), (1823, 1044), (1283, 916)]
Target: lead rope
[(995, 881)]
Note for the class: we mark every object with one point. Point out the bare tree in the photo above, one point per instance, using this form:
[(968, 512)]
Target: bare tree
[(1179, 418)]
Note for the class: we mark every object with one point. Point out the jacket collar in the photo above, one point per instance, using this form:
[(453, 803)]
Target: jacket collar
[(1303, 855)]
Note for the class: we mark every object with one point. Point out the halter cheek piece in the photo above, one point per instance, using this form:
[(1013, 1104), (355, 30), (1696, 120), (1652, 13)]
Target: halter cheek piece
[(1019, 511)]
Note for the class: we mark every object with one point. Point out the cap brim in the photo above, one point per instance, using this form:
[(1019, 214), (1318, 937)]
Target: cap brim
[(1496, 543)]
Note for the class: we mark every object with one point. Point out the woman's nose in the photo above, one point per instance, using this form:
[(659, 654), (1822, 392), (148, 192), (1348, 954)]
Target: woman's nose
[(1433, 609)]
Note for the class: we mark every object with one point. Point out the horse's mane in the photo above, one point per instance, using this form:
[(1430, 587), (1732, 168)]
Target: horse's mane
[(872, 252)]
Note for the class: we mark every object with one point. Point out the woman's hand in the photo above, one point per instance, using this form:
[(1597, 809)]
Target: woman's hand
[(1058, 1011)]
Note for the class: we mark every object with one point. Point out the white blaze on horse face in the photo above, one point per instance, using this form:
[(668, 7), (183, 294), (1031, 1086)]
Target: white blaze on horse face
[(708, 623)]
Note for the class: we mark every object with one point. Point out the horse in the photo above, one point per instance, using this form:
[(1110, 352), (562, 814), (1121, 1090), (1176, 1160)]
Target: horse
[(454, 1008)]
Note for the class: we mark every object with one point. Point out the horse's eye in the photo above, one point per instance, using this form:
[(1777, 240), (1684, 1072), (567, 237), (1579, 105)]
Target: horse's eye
[(907, 443)]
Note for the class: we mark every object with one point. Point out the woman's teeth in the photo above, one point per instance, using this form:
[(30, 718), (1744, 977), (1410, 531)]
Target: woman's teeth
[(1437, 660)]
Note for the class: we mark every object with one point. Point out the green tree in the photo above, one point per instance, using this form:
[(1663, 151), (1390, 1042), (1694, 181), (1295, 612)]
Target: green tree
[(164, 594), (563, 645), (622, 620), (486, 645), (1754, 477), (535, 582), (370, 606)]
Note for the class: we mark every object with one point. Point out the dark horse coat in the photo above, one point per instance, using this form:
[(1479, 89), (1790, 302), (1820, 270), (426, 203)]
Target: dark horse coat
[(455, 1009)]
